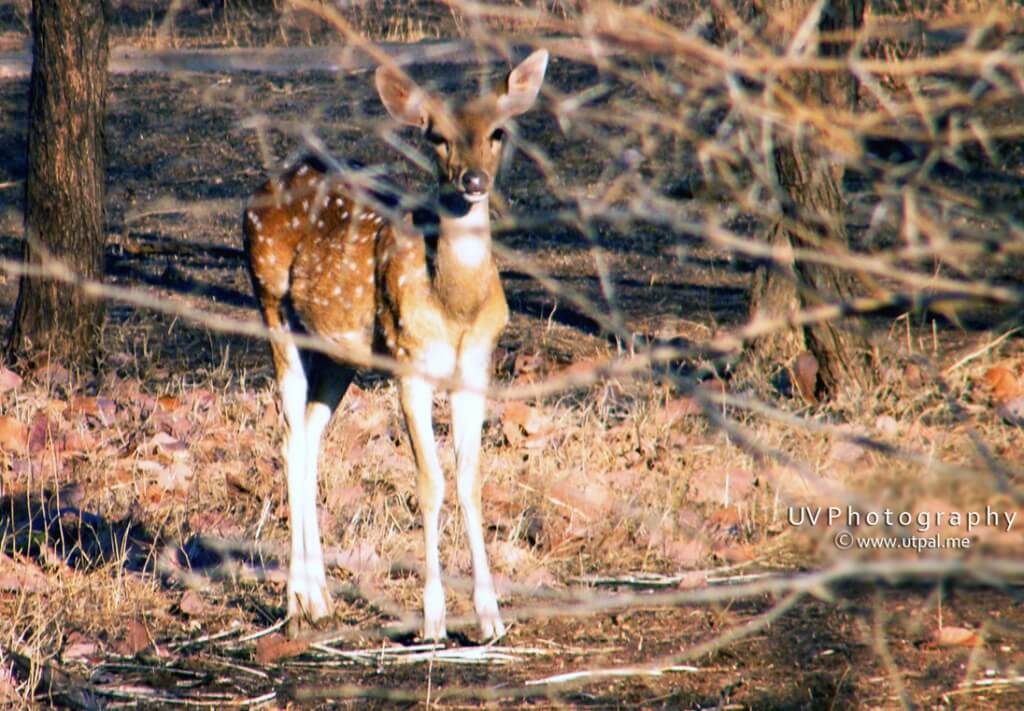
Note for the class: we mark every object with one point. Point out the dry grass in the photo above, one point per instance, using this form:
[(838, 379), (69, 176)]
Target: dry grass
[(621, 478)]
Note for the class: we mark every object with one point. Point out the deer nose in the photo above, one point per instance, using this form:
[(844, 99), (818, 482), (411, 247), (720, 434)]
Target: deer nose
[(475, 182)]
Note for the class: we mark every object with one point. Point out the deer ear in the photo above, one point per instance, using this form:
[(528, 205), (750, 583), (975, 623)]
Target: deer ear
[(405, 101), (523, 84)]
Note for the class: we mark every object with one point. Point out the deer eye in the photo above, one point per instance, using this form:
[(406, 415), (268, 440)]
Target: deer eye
[(498, 135), (437, 139)]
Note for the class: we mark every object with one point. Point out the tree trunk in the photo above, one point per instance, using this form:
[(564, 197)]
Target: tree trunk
[(811, 192), (773, 295), (64, 187)]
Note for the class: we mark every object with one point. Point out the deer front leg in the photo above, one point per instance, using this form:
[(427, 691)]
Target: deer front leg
[(468, 405), (417, 401)]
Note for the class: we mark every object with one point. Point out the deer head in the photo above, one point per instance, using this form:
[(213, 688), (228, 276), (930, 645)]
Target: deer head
[(468, 139)]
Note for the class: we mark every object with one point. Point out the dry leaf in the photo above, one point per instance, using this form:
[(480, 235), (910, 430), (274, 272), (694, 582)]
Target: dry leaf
[(78, 647), (120, 359), (693, 580), (75, 441), (153, 494), (360, 558), (685, 551), (846, 452), (84, 405), (540, 577), (168, 443), (201, 398), (579, 370), (175, 477), (956, 637), (9, 380), (720, 486), (528, 363), (589, 496), (274, 647), (53, 374), (726, 519), (887, 425), (735, 552), (1002, 382), (519, 420), (168, 403), (1012, 411), (805, 376), (192, 604), (341, 496), (512, 556), (136, 639), (236, 485), (177, 423), (107, 410), (13, 435), (214, 523), (713, 385), (38, 433), (149, 466), (684, 406), (913, 376), (628, 481), (21, 577)]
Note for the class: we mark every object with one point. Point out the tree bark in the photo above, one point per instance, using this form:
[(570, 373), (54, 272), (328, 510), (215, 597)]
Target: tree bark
[(65, 183), (812, 219)]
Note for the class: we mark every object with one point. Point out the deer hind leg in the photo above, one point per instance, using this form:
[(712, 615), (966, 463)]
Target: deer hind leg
[(468, 405), (417, 397), (307, 585), (328, 381)]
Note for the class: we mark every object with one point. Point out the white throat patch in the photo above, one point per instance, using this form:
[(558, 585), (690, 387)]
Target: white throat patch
[(470, 235), (470, 251)]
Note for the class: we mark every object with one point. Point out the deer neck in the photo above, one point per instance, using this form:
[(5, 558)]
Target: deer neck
[(465, 269)]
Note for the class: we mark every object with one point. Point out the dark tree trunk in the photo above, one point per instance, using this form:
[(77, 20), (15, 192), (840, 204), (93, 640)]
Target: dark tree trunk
[(64, 188), (773, 295), (813, 219)]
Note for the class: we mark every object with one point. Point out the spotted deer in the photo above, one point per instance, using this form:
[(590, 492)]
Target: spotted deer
[(329, 259)]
